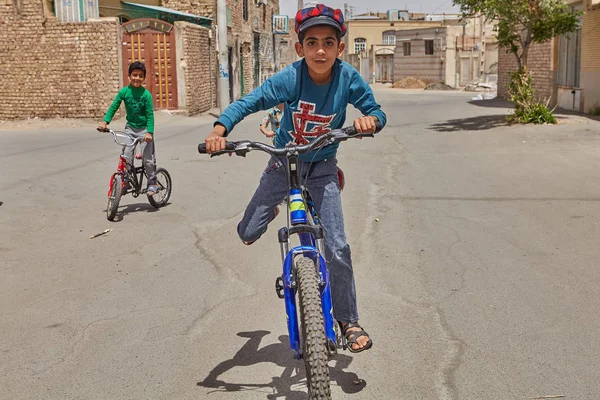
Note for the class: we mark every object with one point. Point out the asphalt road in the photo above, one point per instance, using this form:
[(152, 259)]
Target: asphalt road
[(475, 248)]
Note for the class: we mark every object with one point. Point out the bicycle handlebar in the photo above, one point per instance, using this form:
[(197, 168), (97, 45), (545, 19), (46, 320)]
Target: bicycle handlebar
[(241, 148), (115, 134)]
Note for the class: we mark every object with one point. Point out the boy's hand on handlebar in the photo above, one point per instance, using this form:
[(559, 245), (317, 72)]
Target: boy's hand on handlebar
[(365, 124), (148, 137), (102, 126), (215, 140)]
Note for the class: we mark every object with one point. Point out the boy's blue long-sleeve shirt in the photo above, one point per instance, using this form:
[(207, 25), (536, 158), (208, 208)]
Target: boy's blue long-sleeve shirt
[(310, 110)]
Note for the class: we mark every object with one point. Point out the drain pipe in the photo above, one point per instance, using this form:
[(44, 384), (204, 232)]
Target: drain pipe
[(223, 59)]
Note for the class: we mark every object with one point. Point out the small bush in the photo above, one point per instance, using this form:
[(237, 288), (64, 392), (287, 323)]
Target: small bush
[(527, 109), (595, 110), (536, 113)]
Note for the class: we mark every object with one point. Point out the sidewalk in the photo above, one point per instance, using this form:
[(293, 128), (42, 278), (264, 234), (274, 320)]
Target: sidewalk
[(161, 118)]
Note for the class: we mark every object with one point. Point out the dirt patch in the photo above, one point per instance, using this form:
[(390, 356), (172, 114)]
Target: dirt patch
[(409, 83), (438, 86)]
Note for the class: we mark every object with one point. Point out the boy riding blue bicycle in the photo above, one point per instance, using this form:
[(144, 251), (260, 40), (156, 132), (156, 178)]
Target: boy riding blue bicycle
[(315, 104)]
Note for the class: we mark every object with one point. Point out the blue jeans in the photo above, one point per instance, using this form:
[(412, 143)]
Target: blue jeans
[(147, 150), (321, 179)]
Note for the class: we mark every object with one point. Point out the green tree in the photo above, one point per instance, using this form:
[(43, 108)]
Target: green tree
[(520, 24)]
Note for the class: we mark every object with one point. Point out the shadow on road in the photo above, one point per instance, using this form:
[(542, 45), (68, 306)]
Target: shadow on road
[(291, 385), (493, 103), (480, 123), (133, 208)]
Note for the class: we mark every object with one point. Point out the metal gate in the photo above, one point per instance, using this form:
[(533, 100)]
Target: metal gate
[(385, 68), (152, 42)]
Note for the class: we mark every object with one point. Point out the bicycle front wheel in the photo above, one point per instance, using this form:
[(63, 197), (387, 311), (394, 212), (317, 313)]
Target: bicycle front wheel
[(163, 183), (314, 341), (114, 197)]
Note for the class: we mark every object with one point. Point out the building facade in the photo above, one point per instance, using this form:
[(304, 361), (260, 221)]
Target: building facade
[(371, 41), (454, 55), (566, 69), (53, 68)]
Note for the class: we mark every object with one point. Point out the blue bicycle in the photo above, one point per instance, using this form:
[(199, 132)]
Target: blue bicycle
[(312, 331)]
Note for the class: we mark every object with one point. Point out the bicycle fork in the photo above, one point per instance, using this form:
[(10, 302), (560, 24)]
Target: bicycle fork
[(286, 285), (120, 170)]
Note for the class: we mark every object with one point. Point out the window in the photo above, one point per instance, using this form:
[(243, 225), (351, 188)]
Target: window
[(245, 10), (280, 24), (429, 47), (406, 48), (360, 44), (389, 38)]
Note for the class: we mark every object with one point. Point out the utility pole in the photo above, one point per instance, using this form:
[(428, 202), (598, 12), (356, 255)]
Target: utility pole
[(223, 56), (300, 4)]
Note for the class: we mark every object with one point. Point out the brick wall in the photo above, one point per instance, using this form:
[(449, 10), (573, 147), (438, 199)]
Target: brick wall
[(197, 80), (541, 65), (204, 8), (52, 69), (248, 60)]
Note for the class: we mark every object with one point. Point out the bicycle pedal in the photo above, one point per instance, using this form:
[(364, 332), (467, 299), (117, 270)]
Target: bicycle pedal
[(279, 287)]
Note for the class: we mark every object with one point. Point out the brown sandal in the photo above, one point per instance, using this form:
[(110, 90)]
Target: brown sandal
[(349, 337)]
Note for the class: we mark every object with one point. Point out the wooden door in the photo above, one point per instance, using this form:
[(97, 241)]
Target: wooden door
[(152, 42)]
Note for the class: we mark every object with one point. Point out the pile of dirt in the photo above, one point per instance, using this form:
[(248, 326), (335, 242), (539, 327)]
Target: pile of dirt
[(438, 86), (409, 83)]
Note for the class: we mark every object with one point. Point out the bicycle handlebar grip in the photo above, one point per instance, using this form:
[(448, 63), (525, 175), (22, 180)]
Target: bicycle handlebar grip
[(103, 130), (229, 146), (350, 130)]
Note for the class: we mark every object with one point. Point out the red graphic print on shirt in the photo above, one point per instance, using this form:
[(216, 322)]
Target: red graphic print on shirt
[(307, 124)]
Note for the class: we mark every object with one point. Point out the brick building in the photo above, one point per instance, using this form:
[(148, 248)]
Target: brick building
[(74, 69), (566, 69), (456, 55)]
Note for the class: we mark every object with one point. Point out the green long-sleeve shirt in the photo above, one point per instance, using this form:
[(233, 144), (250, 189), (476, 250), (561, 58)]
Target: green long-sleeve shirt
[(138, 106)]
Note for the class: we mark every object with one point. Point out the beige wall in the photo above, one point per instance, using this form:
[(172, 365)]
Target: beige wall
[(453, 56), (418, 64), (52, 69), (373, 31), (590, 57)]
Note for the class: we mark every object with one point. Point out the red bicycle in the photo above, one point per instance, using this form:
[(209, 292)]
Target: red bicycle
[(129, 178)]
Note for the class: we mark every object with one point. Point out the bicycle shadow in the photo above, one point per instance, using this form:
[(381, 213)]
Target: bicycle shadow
[(135, 208), (291, 385)]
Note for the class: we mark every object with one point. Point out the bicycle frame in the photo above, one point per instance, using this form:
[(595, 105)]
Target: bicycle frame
[(123, 169), (311, 246)]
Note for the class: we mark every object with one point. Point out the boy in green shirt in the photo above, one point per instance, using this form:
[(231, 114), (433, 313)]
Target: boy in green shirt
[(140, 119)]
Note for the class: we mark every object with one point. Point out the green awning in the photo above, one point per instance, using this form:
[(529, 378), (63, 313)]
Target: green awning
[(163, 14)]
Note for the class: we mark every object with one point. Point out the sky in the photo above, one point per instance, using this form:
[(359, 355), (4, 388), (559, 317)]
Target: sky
[(289, 7)]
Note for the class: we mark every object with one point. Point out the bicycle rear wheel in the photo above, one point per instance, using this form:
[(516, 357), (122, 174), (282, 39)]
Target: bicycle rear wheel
[(162, 195), (114, 198), (314, 341)]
